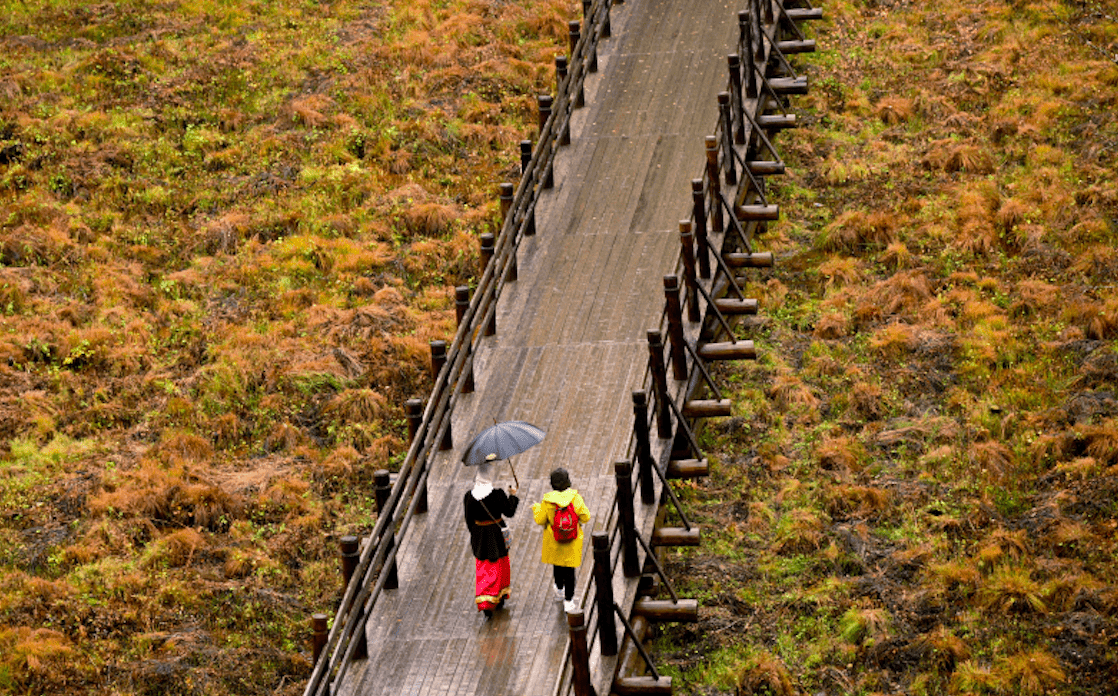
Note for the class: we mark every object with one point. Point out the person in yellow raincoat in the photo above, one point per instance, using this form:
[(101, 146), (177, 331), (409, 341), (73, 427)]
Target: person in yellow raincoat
[(563, 556)]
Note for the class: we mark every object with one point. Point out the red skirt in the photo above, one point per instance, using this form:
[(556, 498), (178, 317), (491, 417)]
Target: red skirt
[(491, 584)]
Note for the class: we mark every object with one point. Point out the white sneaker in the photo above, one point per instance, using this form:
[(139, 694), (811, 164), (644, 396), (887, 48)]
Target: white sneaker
[(559, 596), (570, 605)]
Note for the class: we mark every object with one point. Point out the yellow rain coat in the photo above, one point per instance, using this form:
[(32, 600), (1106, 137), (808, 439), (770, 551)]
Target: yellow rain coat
[(560, 553)]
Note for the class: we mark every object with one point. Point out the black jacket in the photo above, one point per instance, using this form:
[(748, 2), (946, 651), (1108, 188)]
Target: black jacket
[(486, 540)]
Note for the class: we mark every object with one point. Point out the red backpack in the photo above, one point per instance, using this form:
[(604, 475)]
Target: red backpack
[(565, 523)]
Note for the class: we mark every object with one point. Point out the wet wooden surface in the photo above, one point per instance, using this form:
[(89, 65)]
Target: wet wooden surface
[(569, 350)]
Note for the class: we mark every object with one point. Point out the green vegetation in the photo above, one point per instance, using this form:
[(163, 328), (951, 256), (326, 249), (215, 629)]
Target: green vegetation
[(917, 492), (228, 231)]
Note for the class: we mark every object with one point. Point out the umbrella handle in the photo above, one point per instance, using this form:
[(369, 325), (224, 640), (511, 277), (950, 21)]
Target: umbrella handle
[(513, 469)]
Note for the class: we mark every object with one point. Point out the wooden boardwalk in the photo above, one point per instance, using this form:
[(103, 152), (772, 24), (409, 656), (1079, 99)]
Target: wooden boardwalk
[(570, 348)]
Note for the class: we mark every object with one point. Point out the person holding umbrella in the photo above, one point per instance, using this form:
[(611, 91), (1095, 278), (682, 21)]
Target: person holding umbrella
[(485, 509), (562, 549)]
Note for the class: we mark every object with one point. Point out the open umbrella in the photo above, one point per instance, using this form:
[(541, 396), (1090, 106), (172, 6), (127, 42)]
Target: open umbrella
[(503, 440)]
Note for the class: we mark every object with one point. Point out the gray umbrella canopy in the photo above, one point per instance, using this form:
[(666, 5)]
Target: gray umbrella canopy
[(504, 440)]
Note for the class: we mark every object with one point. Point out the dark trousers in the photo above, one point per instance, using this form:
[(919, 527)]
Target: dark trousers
[(565, 580)]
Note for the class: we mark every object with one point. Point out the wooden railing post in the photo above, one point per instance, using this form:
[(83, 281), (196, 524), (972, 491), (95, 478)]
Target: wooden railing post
[(547, 179), (677, 351), (580, 655), (758, 31), (714, 187), (660, 384), (487, 242), (318, 635), (592, 64), (745, 22), (729, 162), (506, 191), (560, 84), (644, 446), (699, 213), (438, 360), (525, 161), (734, 65), (573, 34), (603, 581), (461, 304), (413, 410), (525, 156), (626, 518), (544, 102), (690, 277), (382, 489), (348, 546)]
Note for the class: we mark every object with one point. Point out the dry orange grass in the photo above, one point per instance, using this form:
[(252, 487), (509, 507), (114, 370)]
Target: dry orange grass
[(340, 468), (952, 580), (904, 294), (846, 502), (943, 649), (1079, 469), (866, 400), (855, 230), (1072, 587), (839, 271), (1037, 297), (285, 437), (240, 563), (790, 393), (184, 445), (831, 326), (765, 673), (1097, 319), (32, 245), (1069, 538), (35, 658), (1030, 673), (995, 460), (893, 110), (176, 549), (357, 405), (894, 341), (951, 156), (430, 218), (285, 496), (1001, 546), (444, 261), (897, 256), (843, 455), (310, 111), (804, 532), (1096, 261), (167, 495)]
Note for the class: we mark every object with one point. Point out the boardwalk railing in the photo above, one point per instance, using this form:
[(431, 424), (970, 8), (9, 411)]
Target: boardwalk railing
[(728, 212), (432, 431)]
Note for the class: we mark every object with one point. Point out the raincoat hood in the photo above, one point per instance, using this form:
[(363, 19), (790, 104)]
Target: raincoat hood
[(560, 498)]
